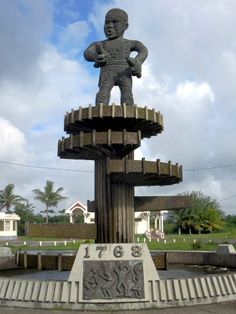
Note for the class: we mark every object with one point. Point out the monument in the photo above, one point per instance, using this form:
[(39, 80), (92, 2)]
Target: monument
[(115, 273), (115, 269), (109, 134)]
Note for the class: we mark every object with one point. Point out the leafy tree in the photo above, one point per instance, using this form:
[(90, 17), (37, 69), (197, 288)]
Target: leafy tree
[(49, 197), (38, 218), (230, 223), (25, 212), (8, 198), (231, 219), (204, 216), (60, 219)]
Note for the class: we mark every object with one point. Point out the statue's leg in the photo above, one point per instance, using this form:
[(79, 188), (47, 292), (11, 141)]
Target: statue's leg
[(106, 82), (126, 90)]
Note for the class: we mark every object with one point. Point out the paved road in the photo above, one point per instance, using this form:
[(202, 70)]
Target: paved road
[(226, 307)]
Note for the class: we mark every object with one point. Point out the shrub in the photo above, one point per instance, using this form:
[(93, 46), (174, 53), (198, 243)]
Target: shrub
[(197, 245)]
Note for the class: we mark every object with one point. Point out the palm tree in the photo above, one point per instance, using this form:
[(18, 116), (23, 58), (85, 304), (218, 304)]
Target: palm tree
[(8, 198), (49, 197)]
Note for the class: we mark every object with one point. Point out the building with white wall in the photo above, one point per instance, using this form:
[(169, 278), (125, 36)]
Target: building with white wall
[(142, 219), (77, 209), (8, 226), (142, 222)]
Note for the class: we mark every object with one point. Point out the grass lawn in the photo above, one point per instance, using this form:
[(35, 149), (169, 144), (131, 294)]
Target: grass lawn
[(182, 246), (200, 242), (225, 235)]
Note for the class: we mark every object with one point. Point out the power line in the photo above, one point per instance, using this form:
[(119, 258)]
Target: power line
[(209, 168), (90, 171), (227, 198), (43, 167)]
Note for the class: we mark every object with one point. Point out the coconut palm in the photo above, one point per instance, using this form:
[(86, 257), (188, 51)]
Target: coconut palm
[(8, 198), (49, 197)]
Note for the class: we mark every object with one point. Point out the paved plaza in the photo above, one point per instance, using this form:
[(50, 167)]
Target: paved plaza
[(225, 307)]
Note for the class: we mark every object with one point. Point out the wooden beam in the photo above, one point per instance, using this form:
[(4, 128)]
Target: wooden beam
[(91, 206), (155, 203)]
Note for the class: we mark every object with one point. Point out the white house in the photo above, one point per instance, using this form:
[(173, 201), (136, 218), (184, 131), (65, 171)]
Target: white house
[(142, 219), (142, 222), (160, 219), (8, 226), (79, 209)]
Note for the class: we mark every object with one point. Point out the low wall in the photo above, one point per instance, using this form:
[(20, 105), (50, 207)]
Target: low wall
[(64, 261), (7, 259), (65, 231), (7, 262), (201, 258), (43, 261)]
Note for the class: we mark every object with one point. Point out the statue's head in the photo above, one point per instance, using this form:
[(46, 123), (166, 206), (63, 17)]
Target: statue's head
[(116, 22)]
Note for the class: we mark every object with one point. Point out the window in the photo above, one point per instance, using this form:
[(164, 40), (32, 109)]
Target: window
[(7, 225), (14, 225)]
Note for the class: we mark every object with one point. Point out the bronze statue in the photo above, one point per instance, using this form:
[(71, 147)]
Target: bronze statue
[(112, 56)]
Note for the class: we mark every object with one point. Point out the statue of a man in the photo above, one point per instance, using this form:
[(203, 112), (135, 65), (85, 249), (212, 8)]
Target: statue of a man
[(112, 56)]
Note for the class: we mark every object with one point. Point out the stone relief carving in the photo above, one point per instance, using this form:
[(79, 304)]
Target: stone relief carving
[(113, 279)]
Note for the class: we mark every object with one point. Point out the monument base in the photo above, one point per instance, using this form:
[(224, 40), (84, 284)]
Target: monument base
[(111, 273)]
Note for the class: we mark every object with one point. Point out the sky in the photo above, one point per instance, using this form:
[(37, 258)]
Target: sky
[(189, 76)]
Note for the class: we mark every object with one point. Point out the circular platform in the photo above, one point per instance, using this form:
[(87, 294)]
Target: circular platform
[(114, 117), (143, 172), (94, 145)]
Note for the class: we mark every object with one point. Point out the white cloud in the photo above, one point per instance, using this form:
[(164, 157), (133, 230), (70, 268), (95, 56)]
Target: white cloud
[(193, 92), (72, 38), (59, 85), (189, 76), (23, 25), (13, 143)]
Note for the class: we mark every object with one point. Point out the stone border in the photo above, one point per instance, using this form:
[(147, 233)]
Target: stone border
[(212, 258), (164, 293)]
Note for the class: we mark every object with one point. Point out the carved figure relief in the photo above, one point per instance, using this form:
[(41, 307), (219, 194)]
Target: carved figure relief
[(113, 279), (123, 287), (91, 281)]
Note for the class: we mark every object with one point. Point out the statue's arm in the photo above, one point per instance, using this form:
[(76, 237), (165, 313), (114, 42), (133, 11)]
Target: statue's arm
[(136, 63), (95, 52), (90, 52), (142, 51)]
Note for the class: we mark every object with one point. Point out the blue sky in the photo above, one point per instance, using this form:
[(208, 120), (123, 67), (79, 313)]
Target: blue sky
[(67, 13), (189, 76)]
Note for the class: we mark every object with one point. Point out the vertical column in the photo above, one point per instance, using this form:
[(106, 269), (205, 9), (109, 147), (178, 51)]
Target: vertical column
[(114, 207), (71, 218), (102, 201), (156, 219), (123, 212), (161, 222), (148, 221)]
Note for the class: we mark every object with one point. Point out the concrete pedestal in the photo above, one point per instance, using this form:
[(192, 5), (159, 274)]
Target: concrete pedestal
[(113, 273)]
